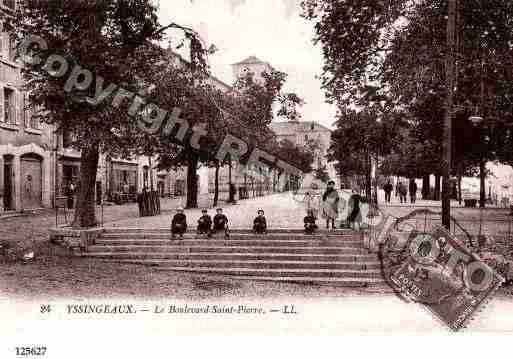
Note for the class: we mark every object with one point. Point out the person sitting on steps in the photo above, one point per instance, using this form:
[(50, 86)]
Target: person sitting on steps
[(179, 223), (205, 224), (221, 222), (310, 226), (260, 224)]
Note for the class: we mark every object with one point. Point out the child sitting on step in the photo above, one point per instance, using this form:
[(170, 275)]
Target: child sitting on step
[(310, 226), (179, 223), (221, 222), (205, 224), (260, 224)]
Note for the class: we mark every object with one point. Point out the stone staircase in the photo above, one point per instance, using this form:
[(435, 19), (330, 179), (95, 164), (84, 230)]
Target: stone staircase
[(336, 258)]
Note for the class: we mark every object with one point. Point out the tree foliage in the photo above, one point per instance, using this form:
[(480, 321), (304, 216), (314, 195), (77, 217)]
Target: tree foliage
[(393, 53), (114, 40)]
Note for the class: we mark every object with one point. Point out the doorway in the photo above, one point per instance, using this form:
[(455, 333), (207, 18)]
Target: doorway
[(31, 181), (8, 184)]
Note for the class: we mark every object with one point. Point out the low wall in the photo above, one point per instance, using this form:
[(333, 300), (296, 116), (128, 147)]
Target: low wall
[(77, 240)]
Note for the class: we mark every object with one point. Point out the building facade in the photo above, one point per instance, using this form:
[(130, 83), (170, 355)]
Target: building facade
[(26, 146), (308, 134)]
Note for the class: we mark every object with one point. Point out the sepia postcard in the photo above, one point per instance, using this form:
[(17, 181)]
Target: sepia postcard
[(281, 168)]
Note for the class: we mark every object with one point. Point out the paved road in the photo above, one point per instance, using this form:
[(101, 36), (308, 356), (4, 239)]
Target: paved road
[(283, 211)]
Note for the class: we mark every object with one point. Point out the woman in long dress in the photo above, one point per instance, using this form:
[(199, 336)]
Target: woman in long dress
[(330, 201), (354, 214)]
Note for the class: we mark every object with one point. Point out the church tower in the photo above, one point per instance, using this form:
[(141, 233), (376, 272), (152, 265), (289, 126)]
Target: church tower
[(252, 65)]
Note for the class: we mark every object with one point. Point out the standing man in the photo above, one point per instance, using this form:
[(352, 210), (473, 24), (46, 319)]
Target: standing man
[(70, 192), (231, 194), (388, 188), (413, 190), (403, 191), (330, 201)]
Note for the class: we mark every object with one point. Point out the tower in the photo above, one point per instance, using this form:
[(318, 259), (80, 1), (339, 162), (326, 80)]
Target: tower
[(252, 65)]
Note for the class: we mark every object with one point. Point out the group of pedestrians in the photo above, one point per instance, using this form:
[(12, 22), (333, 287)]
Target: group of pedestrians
[(401, 191), (208, 227), (329, 207)]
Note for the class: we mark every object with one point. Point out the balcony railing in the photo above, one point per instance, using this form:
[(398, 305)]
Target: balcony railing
[(9, 74)]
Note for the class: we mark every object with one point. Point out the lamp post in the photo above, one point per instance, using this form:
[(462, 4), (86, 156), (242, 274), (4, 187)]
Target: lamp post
[(447, 137)]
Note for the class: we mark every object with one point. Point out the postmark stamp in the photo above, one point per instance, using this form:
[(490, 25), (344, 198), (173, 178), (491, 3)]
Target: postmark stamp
[(435, 269)]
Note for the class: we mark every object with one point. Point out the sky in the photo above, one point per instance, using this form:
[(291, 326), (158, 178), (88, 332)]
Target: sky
[(271, 30)]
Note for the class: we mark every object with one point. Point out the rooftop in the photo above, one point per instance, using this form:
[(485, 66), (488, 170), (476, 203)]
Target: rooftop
[(250, 60), (292, 127), (212, 77)]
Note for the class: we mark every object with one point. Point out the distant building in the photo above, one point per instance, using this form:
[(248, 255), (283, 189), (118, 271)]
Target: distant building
[(253, 66), (308, 134)]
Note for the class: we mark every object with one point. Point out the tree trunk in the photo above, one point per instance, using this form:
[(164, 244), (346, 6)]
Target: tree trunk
[(368, 180), (216, 185), (192, 181), (459, 189), (85, 216), (150, 173), (231, 198), (425, 187), (482, 189), (437, 187)]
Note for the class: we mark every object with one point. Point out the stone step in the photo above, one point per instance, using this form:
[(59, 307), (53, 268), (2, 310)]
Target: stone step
[(228, 249), (232, 230), (333, 281), (234, 236), (231, 242), (261, 264), (285, 272), (236, 256)]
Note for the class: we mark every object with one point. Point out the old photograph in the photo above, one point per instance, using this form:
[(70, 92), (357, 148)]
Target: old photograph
[(256, 166)]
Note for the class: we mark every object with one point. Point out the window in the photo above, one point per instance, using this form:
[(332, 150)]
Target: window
[(9, 106), (4, 43), (29, 120), (67, 138), (8, 46), (11, 4), (146, 173)]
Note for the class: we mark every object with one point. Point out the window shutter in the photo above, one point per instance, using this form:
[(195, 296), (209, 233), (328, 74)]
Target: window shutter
[(5, 45), (25, 119), (18, 96), (2, 102), (34, 122)]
